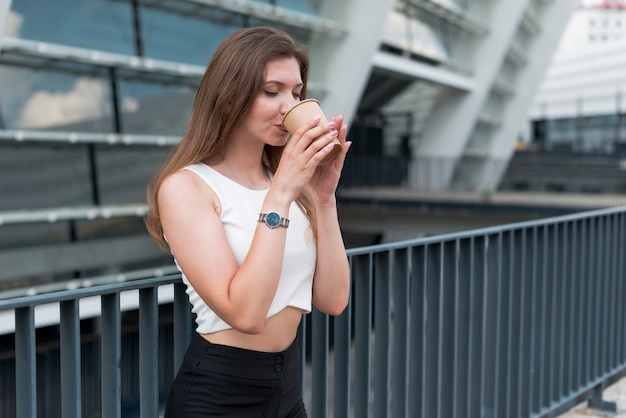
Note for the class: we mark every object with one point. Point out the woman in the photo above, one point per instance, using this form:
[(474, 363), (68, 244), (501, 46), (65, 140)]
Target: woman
[(251, 220)]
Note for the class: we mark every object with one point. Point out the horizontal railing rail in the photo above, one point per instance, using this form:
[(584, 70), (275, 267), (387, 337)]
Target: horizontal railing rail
[(521, 320)]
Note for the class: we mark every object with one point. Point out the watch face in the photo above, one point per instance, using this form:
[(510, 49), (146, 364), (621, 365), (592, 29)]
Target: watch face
[(272, 219)]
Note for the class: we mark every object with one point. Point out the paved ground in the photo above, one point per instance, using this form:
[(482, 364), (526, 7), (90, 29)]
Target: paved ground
[(614, 393)]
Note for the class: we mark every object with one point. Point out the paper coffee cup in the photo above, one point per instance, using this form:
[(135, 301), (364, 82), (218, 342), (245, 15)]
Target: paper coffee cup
[(301, 113)]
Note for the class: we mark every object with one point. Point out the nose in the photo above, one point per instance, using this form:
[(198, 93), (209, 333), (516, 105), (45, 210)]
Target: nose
[(287, 104)]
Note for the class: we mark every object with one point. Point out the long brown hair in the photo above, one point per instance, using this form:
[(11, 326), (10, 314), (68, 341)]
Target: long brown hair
[(233, 79)]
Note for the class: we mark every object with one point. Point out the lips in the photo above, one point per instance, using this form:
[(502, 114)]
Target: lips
[(281, 128)]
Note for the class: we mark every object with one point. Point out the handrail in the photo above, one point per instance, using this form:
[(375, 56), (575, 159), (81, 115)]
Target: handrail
[(524, 320)]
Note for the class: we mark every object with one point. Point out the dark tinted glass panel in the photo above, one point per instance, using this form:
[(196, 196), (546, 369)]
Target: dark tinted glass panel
[(155, 109), (190, 37), (95, 24)]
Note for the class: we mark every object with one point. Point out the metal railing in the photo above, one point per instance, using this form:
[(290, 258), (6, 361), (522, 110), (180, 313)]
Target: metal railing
[(519, 320)]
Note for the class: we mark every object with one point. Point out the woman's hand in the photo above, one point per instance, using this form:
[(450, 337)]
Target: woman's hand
[(326, 177), (300, 160)]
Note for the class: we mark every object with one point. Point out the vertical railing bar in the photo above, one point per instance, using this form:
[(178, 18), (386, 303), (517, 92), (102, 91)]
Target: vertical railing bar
[(497, 341), (69, 328), (574, 306), (382, 318), (446, 344), (148, 353), (457, 362), (484, 319), (416, 331), (319, 364), (111, 348), (601, 300), (342, 360), (535, 330), (553, 317), (588, 292), (441, 350), (25, 363), (562, 296), (400, 292), (617, 360), (544, 321), (425, 383), (621, 295), (524, 326), (475, 381), (462, 327), (363, 320), (432, 321), (596, 285), (612, 290), (182, 324), (302, 341), (512, 320)]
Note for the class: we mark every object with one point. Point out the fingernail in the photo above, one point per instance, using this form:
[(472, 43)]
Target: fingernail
[(331, 124), (317, 118), (334, 132)]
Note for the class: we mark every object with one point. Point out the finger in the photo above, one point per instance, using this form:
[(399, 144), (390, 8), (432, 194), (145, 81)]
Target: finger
[(302, 130), (322, 146)]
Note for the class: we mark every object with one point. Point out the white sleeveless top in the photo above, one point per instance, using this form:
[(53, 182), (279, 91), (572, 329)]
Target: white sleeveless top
[(240, 211)]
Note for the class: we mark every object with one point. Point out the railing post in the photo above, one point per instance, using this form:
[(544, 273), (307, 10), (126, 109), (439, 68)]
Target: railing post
[(148, 353), (70, 359), (362, 333), (319, 361), (25, 363), (382, 319), (111, 357), (596, 402)]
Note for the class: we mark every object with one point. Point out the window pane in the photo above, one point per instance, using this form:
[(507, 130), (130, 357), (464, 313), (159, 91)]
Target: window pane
[(54, 101), (94, 24), (154, 109)]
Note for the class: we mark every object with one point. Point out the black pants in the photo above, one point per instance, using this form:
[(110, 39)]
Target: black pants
[(222, 381)]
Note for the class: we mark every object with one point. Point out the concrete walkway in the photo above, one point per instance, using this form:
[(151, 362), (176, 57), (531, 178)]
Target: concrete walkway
[(614, 393)]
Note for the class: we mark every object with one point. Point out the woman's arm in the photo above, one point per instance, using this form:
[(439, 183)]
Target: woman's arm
[(240, 295), (331, 284)]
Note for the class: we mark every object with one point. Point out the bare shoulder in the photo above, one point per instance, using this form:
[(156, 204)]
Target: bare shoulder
[(184, 188)]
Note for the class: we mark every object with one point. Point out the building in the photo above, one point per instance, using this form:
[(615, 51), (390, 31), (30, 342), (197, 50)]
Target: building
[(94, 93), (580, 103)]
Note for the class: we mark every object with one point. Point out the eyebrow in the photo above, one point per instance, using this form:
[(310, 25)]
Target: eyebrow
[(280, 83)]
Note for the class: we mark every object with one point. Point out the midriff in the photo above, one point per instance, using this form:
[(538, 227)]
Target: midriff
[(279, 333)]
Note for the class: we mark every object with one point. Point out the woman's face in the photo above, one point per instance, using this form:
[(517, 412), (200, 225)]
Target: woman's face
[(280, 92)]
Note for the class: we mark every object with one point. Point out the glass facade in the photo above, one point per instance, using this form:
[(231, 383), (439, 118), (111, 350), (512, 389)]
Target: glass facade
[(75, 95)]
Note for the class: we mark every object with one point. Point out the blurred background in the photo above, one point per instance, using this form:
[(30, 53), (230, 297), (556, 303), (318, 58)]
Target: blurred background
[(463, 114)]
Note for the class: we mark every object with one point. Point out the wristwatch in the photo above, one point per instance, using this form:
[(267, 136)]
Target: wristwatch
[(273, 220)]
